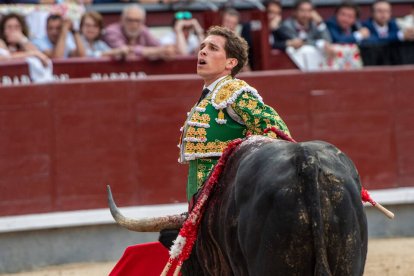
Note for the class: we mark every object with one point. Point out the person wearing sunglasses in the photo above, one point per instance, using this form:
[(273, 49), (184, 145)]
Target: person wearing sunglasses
[(187, 34)]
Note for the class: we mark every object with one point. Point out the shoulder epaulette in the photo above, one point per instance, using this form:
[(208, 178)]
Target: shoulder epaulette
[(227, 92)]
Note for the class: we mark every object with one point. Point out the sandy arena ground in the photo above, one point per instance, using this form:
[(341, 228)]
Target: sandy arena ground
[(386, 257)]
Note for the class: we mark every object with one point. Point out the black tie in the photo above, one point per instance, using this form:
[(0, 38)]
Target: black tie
[(203, 95)]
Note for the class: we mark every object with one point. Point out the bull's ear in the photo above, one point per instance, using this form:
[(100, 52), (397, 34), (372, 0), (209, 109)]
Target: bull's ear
[(167, 237)]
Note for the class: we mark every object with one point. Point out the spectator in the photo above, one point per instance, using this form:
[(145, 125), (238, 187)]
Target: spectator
[(61, 40), (4, 52), (140, 1), (131, 31), (276, 39), (187, 34), (230, 19), (344, 27), (346, 32), (274, 16), (306, 27), (91, 26), (29, 2), (155, 1), (306, 37), (383, 28), (14, 39), (407, 22)]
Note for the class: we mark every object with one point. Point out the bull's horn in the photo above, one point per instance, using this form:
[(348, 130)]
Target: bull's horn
[(146, 224)]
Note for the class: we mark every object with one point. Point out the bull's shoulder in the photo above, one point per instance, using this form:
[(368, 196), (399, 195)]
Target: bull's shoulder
[(331, 159), (227, 93), (323, 148)]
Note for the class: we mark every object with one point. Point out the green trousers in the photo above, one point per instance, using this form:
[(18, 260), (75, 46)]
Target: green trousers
[(198, 172)]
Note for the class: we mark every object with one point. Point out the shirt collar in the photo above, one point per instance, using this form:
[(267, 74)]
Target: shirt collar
[(380, 28), (300, 27), (213, 85)]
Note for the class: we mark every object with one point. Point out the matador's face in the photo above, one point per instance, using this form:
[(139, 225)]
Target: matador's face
[(212, 59)]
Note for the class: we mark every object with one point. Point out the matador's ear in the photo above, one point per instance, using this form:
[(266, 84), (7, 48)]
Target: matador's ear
[(231, 63)]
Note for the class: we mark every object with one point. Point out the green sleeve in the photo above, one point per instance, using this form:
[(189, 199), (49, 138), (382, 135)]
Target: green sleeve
[(257, 116)]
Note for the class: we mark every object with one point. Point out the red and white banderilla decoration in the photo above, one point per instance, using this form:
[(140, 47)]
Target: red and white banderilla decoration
[(367, 198)]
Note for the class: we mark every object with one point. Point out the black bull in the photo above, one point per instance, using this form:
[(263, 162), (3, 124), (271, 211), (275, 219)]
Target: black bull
[(283, 208)]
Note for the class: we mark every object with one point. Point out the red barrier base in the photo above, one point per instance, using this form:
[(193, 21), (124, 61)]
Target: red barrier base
[(146, 259)]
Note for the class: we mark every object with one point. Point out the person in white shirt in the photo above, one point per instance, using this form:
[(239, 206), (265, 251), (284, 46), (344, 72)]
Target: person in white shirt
[(62, 39), (406, 23)]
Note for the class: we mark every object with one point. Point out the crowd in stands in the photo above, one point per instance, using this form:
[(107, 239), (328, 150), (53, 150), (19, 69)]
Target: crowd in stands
[(314, 43), (339, 42)]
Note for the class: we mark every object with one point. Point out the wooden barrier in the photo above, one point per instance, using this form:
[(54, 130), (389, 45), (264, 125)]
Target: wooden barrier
[(92, 67), (61, 143)]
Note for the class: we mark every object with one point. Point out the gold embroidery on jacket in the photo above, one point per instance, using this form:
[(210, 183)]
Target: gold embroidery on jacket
[(200, 118), (203, 103), (228, 90), (196, 132), (208, 147)]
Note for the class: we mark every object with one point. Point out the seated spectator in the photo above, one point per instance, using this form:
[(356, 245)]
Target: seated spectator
[(230, 19), (306, 37), (91, 26), (132, 32), (14, 39), (29, 2), (187, 34), (383, 28), (407, 22), (305, 27), (152, 1), (346, 33), (344, 26), (4, 52), (62, 40), (274, 16)]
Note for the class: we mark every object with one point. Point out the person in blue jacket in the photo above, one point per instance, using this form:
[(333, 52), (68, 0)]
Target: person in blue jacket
[(344, 27), (383, 28)]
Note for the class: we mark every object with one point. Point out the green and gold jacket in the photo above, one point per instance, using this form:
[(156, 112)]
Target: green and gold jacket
[(230, 111)]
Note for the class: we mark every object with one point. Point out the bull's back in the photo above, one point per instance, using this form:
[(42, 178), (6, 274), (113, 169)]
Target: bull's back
[(300, 211)]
